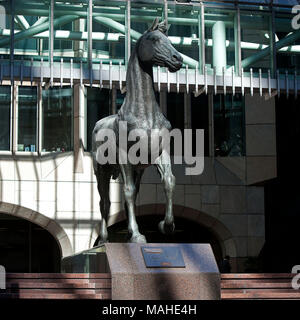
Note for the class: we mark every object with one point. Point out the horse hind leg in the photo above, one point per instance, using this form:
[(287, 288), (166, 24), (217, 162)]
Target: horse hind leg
[(163, 163), (103, 180)]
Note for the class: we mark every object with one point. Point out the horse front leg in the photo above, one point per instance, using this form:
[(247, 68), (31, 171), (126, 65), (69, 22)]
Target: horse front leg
[(130, 191), (163, 163)]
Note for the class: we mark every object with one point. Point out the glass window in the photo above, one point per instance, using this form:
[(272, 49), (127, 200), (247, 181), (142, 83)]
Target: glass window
[(120, 99), (255, 36), (219, 39), (229, 125), (175, 110), (108, 43), (184, 36), (175, 115), (57, 119), (5, 101), (26, 43), (27, 119), (287, 57), (199, 115), (98, 102)]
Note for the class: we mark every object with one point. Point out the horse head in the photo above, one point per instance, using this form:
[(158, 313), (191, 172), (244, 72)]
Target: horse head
[(154, 48)]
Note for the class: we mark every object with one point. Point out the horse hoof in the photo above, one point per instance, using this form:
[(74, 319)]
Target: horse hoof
[(166, 228), (138, 239), (100, 242)]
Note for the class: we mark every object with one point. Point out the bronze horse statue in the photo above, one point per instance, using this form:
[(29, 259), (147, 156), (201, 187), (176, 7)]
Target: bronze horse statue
[(140, 111)]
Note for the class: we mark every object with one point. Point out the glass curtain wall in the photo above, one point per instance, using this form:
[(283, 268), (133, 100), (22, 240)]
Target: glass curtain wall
[(5, 110), (27, 119), (229, 125), (98, 102), (220, 49), (57, 132), (256, 35), (108, 40), (288, 57)]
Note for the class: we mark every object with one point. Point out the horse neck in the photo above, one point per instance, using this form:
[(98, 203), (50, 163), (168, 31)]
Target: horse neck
[(140, 99)]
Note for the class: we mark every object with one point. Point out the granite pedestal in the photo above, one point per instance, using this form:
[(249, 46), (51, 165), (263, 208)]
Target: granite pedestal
[(133, 280)]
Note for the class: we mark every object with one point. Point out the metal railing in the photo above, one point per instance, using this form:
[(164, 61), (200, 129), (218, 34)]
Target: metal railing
[(112, 73)]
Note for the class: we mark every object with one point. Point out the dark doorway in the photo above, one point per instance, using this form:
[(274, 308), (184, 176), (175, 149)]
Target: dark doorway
[(27, 247), (186, 231)]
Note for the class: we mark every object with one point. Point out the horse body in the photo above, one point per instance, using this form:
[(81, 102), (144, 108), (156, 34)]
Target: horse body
[(140, 111)]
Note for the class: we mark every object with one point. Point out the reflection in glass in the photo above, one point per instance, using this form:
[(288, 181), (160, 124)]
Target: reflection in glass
[(287, 57), (57, 119), (255, 36), (229, 125), (5, 101), (27, 114)]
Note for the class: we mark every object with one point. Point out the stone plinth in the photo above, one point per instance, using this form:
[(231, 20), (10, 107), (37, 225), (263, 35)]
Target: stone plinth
[(132, 280)]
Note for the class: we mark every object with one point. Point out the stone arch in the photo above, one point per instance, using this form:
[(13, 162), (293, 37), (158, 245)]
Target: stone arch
[(48, 224), (221, 232)]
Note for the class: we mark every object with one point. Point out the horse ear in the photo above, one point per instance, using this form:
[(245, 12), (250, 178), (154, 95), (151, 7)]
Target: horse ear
[(154, 25), (163, 27)]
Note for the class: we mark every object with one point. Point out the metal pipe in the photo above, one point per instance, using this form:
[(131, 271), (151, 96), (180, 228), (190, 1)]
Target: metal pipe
[(117, 26), (127, 33), (51, 39), (37, 29), (71, 35), (201, 30), (22, 22), (237, 41), (166, 14), (114, 37), (40, 21), (265, 52), (273, 40), (66, 9), (90, 35), (139, 15), (219, 46)]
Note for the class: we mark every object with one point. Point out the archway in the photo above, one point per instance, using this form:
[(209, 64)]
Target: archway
[(41, 220), (27, 247)]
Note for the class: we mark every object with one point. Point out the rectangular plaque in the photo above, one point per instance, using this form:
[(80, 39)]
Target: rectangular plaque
[(163, 257)]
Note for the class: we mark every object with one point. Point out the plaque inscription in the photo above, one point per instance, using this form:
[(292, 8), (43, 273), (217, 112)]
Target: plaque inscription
[(163, 257)]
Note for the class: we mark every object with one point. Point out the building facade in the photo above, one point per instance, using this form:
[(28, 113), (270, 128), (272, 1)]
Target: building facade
[(63, 67)]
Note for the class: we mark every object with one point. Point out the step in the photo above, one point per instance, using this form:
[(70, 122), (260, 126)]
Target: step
[(53, 285), (254, 284), (101, 283), (225, 276), (260, 295), (47, 290), (60, 296), (58, 275)]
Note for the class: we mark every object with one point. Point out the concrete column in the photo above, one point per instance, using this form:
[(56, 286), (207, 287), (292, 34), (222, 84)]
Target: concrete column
[(219, 46), (78, 46), (79, 126), (187, 111), (163, 102)]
